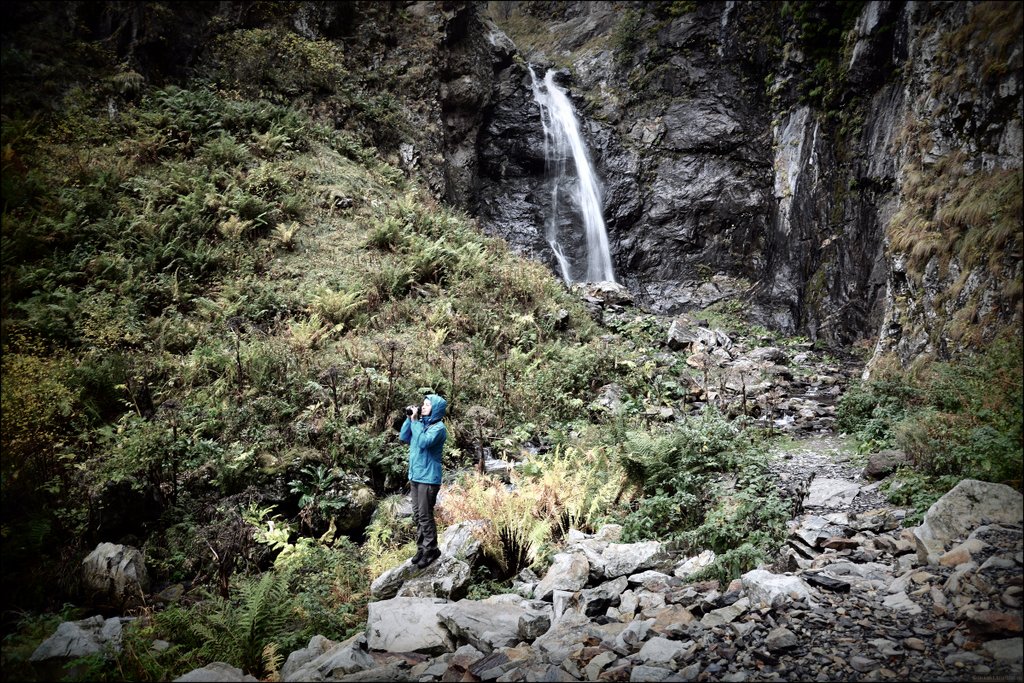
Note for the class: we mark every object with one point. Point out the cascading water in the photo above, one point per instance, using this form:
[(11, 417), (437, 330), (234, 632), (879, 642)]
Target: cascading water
[(562, 142)]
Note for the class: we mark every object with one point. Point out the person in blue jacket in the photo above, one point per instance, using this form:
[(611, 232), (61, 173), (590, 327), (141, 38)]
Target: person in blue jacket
[(425, 434)]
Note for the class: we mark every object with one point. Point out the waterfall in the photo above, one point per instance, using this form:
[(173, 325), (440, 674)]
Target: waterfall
[(562, 142)]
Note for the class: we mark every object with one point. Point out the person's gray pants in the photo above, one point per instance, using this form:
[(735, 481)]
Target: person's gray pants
[(423, 498)]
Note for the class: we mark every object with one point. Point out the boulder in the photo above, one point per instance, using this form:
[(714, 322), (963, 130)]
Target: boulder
[(74, 639), (768, 354), (684, 334), (609, 399), (462, 540), (726, 615), (660, 651), (388, 584), (607, 293), (967, 505), (115, 574), (495, 622), (763, 587), (884, 463), (212, 673), (445, 578), (408, 625), (694, 564), (595, 601), (653, 581), (323, 659), (568, 572), (609, 532), (830, 493), (360, 505), (622, 559), (564, 635), (299, 659)]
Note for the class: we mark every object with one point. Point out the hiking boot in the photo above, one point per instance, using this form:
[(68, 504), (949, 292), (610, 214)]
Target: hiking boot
[(418, 556), (428, 559)]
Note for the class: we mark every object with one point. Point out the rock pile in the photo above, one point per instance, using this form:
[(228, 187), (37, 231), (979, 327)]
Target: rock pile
[(852, 595), (859, 599), (794, 388)]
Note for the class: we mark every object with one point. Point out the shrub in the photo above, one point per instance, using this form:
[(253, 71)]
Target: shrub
[(958, 418), (390, 538), (870, 411), (516, 532), (338, 306), (708, 486), (569, 488), (38, 410), (278, 63), (224, 150), (331, 587), (237, 630)]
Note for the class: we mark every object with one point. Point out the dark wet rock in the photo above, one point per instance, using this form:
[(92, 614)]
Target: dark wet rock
[(884, 463)]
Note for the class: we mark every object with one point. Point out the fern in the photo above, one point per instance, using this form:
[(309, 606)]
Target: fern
[(286, 234), (648, 459), (272, 660), (237, 631), (338, 306)]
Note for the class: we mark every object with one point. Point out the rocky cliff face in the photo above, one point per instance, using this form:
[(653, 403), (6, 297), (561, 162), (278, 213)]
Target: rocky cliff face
[(849, 176)]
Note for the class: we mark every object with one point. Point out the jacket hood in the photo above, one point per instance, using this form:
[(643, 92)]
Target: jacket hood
[(437, 408)]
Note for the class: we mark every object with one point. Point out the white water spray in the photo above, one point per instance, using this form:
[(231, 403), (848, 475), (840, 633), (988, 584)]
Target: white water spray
[(562, 142)]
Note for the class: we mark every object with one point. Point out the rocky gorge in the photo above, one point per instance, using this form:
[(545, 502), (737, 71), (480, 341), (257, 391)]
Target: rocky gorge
[(238, 236)]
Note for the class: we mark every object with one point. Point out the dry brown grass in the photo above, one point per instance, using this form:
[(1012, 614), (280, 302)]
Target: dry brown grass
[(992, 30)]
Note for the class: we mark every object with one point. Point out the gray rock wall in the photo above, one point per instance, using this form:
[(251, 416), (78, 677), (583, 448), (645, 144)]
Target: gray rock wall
[(719, 166)]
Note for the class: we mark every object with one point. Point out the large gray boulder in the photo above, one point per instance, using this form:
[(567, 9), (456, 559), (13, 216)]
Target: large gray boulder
[(568, 572), (462, 540), (359, 508), (115, 574), (623, 559), (966, 506), (684, 334), (498, 621), (408, 625), (831, 493), (387, 585), (325, 660), (215, 672), (884, 463), (446, 577), (694, 564), (762, 586), (660, 651), (74, 639), (300, 659)]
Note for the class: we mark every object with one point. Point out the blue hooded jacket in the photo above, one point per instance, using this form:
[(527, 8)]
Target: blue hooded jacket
[(426, 438)]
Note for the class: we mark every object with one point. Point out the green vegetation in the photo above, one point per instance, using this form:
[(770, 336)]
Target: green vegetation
[(627, 37), (707, 485), (820, 31), (955, 420)]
